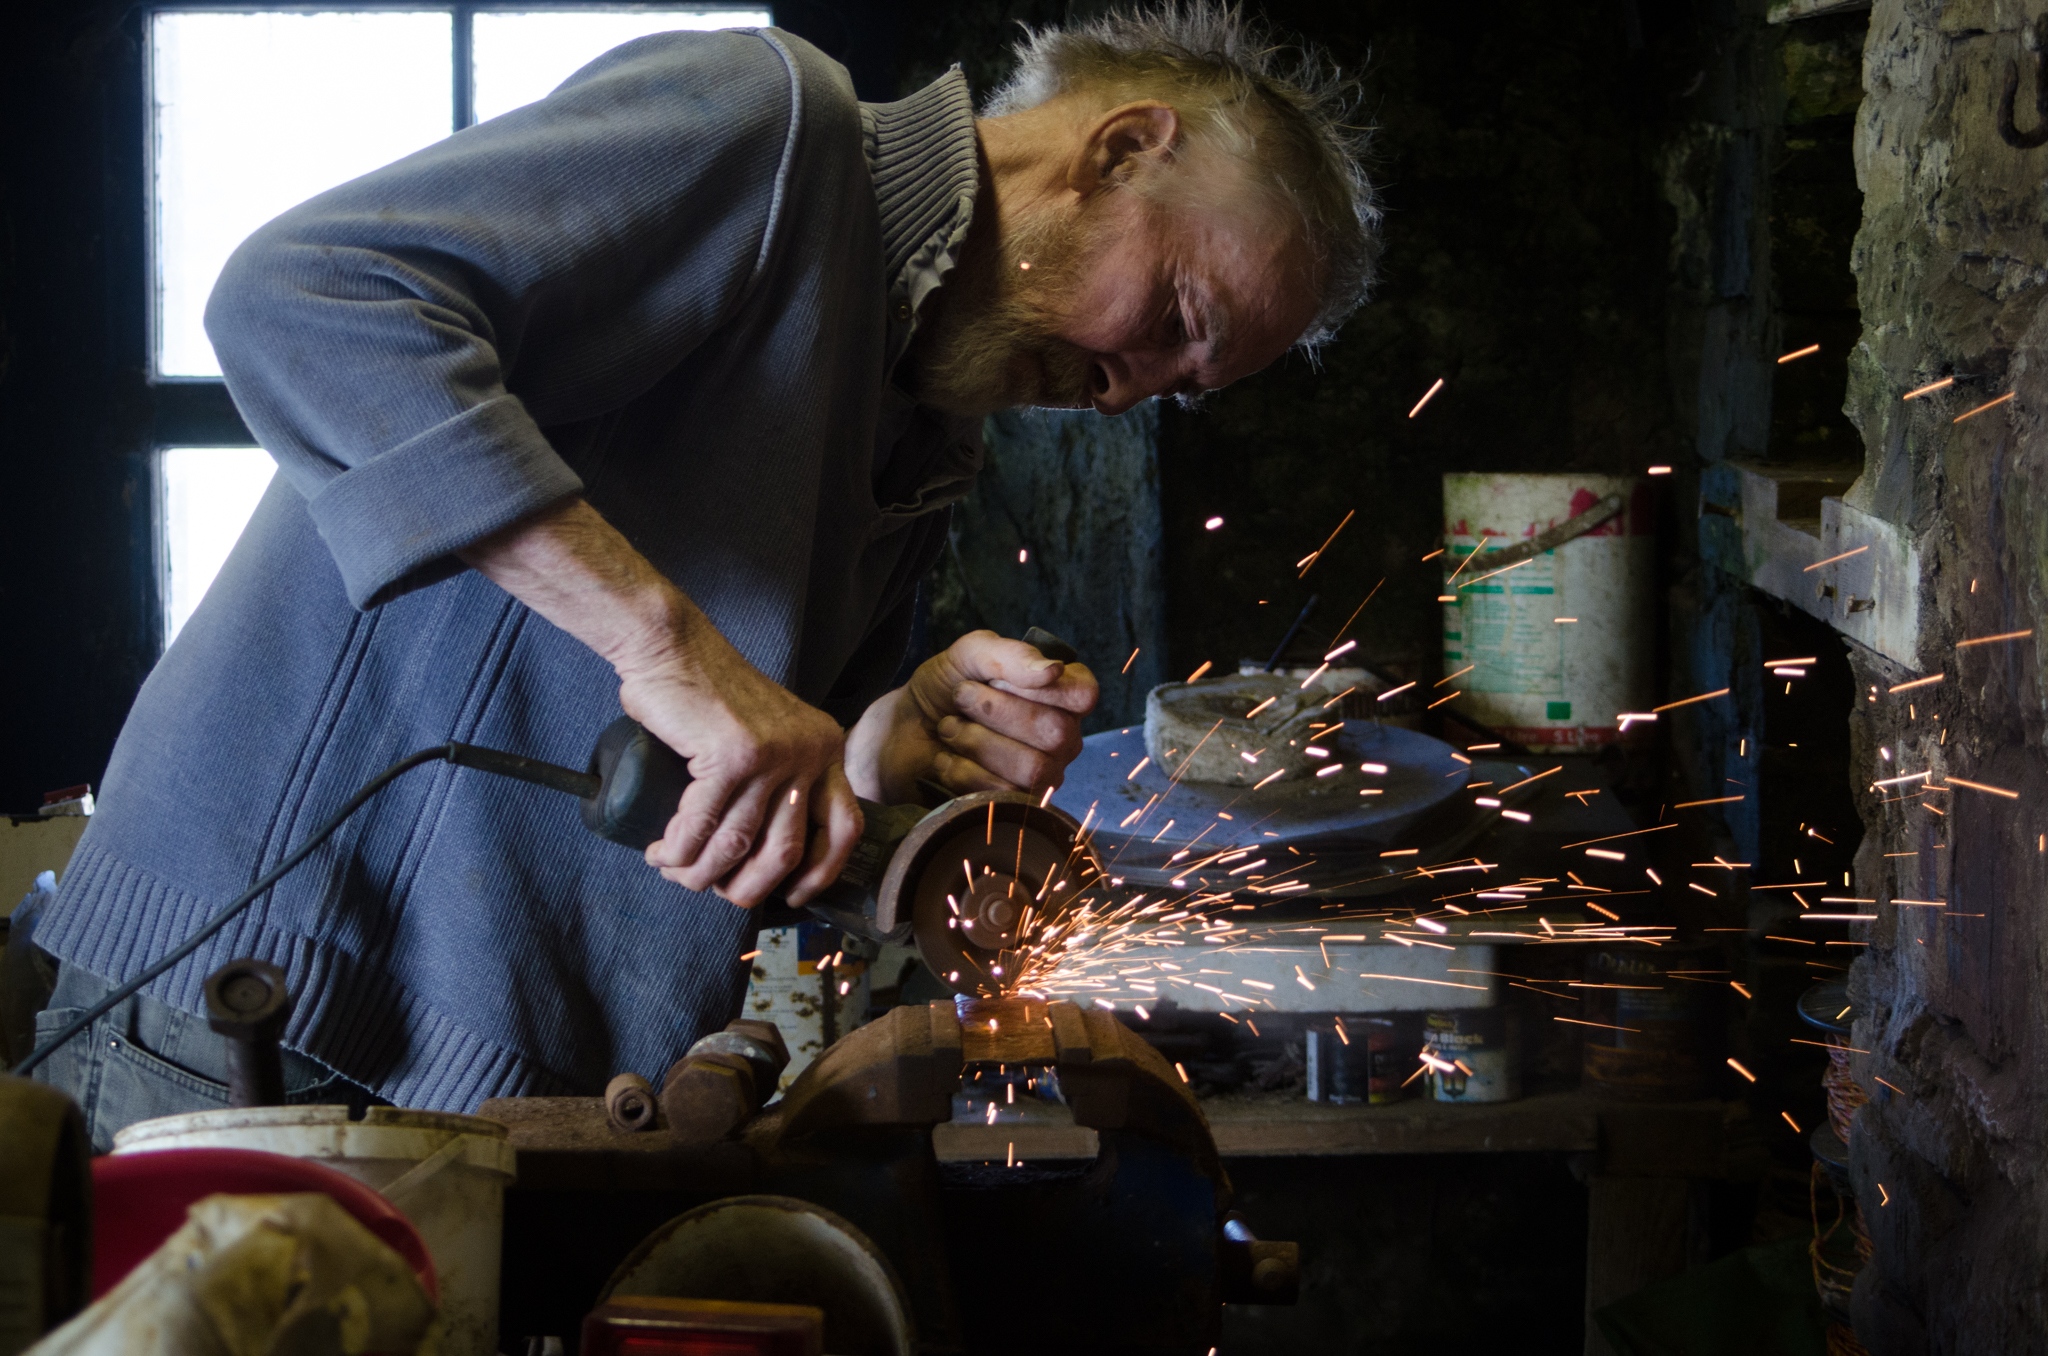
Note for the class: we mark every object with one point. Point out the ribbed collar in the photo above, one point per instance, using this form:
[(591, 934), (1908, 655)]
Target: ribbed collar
[(925, 162)]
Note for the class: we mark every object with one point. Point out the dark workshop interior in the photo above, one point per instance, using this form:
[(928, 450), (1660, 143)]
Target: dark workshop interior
[(1680, 988)]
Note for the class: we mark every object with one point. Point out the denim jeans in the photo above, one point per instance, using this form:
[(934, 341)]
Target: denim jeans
[(146, 1059)]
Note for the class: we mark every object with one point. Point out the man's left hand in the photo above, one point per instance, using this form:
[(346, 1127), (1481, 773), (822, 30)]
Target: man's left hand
[(986, 714)]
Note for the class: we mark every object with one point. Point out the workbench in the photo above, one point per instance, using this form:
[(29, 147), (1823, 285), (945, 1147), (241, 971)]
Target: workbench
[(1644, 1164)]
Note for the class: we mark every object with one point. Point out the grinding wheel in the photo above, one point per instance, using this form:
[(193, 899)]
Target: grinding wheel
[(978, 878)]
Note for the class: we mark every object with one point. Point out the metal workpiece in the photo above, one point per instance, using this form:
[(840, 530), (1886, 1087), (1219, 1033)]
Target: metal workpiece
[(972, 878), (904, 1069), (247, 1002)]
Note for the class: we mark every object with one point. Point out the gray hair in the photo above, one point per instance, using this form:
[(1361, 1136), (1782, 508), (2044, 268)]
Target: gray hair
[(1283, 112)]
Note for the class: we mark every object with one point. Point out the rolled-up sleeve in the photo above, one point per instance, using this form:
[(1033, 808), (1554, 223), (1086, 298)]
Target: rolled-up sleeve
[(399, 343)]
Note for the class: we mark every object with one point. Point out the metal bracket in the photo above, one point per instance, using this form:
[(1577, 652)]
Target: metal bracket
[(1793, 539)]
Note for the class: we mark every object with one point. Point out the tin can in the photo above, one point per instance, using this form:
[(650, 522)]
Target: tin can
[(1655, 1017), (1474, 1055), (1357, 1059)]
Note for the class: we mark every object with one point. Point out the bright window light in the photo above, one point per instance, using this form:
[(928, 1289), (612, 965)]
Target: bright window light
[(208, 495), (256, 112), (518, 57)]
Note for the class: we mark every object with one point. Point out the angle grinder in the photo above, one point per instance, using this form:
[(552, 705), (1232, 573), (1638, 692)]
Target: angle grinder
[(964, 879)]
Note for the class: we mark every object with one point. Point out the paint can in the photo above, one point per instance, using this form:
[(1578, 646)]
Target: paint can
[(1655, 1021), (1475, 1055), (1553, 648), (1362, 1064)]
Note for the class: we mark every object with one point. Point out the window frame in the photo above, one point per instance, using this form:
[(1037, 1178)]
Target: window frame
[(197, 411)]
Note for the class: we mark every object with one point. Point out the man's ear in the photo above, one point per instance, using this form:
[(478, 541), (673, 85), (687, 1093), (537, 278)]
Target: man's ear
[(1119, 141)]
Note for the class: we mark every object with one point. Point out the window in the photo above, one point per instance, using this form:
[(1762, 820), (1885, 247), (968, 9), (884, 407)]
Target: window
[(205, 497), (253, 111)]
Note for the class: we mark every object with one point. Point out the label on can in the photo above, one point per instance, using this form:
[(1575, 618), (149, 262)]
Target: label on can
[(1356, 1059), (1651, 1036), (1473, 1055), (1550, 647)]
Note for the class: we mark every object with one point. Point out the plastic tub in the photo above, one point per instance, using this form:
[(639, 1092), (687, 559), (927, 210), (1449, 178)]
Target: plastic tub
[(447, 1173), (1548, 652), (139, 1200)]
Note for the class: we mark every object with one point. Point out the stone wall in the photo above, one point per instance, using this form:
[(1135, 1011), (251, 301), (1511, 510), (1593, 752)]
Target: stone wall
[(1952, 1003), (1062, 531)]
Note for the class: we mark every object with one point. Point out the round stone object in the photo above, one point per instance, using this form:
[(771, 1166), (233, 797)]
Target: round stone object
[(1237, 730)]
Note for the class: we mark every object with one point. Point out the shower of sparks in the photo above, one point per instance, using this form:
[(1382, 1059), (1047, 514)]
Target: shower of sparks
[(1660, 470), (1210, 941), (1809, 350), (1426, 397), (1213, 524), (1929, 389)]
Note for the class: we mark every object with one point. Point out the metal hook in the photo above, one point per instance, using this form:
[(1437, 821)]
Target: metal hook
[(2027, 141)]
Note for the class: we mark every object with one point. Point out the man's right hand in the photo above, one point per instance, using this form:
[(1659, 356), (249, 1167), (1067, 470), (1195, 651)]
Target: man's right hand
[(765, 765)]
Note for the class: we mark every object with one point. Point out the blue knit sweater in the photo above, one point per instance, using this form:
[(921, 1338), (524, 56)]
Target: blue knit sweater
[(679, 285)]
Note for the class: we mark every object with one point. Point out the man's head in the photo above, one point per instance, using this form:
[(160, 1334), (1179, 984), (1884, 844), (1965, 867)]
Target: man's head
[(1177, 202)]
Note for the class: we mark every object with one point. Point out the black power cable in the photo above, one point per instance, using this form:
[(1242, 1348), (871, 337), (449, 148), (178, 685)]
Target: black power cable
[(463, 755)]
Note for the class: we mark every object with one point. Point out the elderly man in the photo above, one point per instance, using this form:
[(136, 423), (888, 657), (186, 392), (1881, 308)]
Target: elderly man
[(652, 395)]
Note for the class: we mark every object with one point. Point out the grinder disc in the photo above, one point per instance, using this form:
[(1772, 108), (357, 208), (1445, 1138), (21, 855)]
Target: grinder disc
[(978, 878)]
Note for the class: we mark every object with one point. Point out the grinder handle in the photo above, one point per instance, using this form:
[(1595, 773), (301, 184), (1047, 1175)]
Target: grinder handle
[(640, 779)]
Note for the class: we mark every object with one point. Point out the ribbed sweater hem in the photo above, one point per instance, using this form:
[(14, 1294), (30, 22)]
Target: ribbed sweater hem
[(352, 1017)]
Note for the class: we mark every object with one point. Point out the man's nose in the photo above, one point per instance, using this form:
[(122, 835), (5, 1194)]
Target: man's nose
[(1119, 381)]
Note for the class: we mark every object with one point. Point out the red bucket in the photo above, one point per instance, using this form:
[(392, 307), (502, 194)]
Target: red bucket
[(140, 1199)]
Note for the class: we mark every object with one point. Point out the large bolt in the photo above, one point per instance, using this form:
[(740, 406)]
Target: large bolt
[(706, 1097), (247, 1002), (758, 1043)]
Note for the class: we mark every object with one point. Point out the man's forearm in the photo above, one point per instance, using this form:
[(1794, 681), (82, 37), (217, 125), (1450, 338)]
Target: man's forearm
[(575, 569), (764, 765)]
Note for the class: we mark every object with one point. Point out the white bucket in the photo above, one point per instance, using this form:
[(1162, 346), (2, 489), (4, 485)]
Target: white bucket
[(1553, 650), (445, 1173)]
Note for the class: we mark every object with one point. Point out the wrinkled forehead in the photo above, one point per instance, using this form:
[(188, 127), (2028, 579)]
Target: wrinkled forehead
[(1255, 272)]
